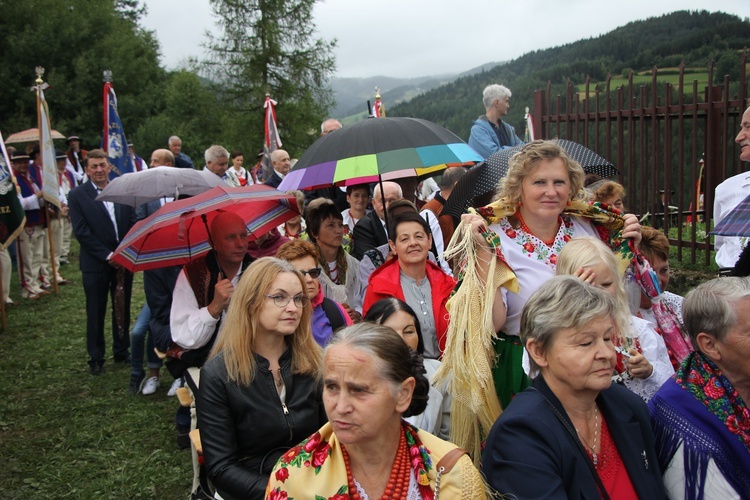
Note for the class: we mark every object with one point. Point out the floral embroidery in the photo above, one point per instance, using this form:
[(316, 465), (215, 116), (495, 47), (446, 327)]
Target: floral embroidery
[(534, 247), (705, 382), (313, 451)]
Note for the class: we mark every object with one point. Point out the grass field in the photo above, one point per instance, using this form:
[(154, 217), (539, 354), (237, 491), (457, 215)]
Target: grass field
[(67, 434), (645, 79)]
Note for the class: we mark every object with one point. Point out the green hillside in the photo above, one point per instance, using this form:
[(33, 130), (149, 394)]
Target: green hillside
[(692, 38)]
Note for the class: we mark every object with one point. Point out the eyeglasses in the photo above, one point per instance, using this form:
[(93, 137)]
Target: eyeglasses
[(314, 272), (282, 299)]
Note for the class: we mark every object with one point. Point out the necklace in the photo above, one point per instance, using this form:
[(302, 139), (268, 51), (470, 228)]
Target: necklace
[(526, 229), (592, 448), (397, 487)]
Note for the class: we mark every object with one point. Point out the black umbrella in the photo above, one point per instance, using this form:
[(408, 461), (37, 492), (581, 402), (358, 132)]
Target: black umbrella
[(478, 187)]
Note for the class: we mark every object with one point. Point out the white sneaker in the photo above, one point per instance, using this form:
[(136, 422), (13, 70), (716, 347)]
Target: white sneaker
[(175, 385), (150, 386)]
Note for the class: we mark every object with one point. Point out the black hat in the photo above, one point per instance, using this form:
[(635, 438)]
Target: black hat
[(72, 138), (19, 155), (60, 154)]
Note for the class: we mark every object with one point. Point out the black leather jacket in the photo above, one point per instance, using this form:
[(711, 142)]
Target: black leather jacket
[(245, 429)]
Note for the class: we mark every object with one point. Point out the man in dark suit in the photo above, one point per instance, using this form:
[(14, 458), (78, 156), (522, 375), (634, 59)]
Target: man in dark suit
[(370, 231), (281, 165), (99, 227)]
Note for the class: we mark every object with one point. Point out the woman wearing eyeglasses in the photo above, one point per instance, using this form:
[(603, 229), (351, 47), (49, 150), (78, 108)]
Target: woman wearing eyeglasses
[(258, 396), (327, 315)]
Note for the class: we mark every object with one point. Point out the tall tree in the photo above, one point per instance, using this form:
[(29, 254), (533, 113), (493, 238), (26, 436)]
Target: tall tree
[(269, 46), (75, 41)]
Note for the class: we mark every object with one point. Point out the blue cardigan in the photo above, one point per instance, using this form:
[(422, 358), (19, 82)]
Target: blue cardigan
[(530, 454)]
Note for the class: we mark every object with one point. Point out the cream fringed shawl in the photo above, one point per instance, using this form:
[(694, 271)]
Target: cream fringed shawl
[(469, 354)]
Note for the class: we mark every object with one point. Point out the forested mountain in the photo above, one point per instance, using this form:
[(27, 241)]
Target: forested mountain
[(352, 94), (692, 38)]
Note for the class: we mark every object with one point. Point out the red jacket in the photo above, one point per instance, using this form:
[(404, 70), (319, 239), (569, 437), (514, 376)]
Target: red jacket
[(385, 282)]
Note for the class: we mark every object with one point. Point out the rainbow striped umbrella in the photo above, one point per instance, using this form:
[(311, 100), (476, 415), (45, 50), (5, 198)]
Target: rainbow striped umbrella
[(178, 232), (379, 149)]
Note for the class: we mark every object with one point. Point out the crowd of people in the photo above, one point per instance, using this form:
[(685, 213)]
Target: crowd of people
[(374, 347)]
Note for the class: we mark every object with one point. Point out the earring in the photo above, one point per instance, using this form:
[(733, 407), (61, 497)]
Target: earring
[(568, 203), (520, 203)]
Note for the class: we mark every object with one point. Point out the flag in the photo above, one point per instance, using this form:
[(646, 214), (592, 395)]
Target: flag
[(114, 142), (272, 142), (12, 216), (50, 179), (528, 135), (378, 110)]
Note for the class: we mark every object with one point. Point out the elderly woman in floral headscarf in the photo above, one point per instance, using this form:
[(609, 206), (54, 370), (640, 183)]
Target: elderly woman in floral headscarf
[(367, 450)]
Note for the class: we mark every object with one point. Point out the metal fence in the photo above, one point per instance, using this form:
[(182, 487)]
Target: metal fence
[(672, 140)]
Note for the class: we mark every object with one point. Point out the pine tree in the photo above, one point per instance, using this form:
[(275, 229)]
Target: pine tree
[(269, 46)]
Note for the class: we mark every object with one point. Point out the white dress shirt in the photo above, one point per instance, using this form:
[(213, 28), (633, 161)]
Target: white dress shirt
[(727, 196)]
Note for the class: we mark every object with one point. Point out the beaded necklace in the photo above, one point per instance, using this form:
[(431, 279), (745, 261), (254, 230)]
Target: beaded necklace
[(397, 487), (526, 229), (535, 248)]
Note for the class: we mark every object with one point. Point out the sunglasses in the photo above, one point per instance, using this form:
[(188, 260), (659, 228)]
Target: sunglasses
[(314, 272)]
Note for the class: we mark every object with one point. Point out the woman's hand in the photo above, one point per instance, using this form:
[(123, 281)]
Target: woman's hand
[(477, 226), (638, 366), (586, 274), (353, 314), (632, 229)]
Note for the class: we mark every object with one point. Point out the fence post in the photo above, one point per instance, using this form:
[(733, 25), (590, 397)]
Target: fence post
[(540, 110)]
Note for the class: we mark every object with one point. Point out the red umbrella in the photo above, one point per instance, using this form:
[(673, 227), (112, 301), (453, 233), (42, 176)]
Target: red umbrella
[(178, 231)]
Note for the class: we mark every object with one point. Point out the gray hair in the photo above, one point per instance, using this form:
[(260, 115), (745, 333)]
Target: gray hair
[(174, 138), (492, 92), (711, 307), (563, 302), (396, 361), (451, 176), (215, 152), (386, 184), (329, 120)]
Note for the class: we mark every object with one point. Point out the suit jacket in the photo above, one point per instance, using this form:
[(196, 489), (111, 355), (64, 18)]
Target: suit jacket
[(530, 454), (274, 180), (158, 285), (93, 227), (369, 233)]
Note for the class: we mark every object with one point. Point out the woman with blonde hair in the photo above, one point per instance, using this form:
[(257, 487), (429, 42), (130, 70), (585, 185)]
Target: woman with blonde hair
[(642, 359), (508, 250), (258, 395)]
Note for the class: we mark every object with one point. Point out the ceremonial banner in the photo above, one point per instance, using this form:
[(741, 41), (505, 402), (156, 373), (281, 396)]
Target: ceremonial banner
[(271, 142), (50, 179), (12, 215), (114, 142)]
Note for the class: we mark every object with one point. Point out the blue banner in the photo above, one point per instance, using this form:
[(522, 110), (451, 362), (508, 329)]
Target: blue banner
[(113, 138)]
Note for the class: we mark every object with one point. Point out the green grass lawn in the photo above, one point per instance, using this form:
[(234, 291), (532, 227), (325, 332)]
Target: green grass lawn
[(644, 78), (67, 434)]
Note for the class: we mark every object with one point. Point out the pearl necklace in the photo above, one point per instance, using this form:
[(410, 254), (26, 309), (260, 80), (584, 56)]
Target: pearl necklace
[(397, 487), (592, 448)]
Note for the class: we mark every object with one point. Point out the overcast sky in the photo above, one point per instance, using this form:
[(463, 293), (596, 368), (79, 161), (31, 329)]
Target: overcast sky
[(411, 38)]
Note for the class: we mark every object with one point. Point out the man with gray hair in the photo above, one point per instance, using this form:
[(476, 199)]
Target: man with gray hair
[(370, 232), (490, 133), (281, 166), (217, 162), (330, 125), (181, 159), (700, 416)]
